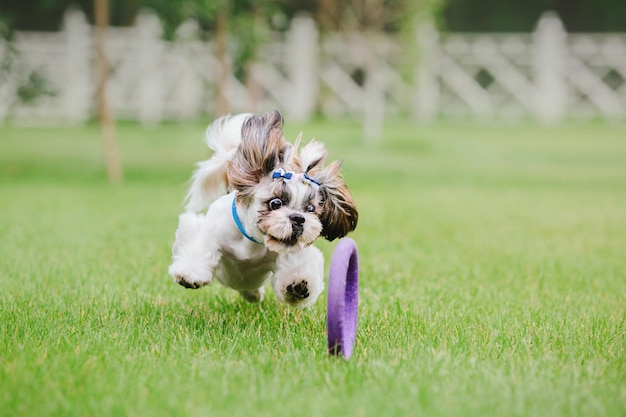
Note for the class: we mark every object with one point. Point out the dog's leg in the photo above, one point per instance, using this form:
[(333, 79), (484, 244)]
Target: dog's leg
[(193, 260), (253, 296), (299, 278)]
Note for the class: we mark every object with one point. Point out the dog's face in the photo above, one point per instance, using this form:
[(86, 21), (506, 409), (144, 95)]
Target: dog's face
[(288, 194), (288, 211)]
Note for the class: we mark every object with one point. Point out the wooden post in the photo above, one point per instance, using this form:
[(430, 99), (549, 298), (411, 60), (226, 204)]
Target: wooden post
[(78, 90), (107, 124), (302, 67), (427, 85), (374, 106), (550, 48), (188, 97), (150, 54)]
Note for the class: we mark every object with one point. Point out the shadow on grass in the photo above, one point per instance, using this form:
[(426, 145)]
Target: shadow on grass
[(228, 324)]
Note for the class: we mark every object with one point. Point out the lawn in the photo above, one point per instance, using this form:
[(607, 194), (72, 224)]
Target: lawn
[(493, 281)]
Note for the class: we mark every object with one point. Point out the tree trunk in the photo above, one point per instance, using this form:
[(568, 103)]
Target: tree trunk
[(107, 124)]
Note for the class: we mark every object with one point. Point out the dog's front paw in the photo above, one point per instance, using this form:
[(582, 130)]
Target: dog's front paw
[(296, 292), (299, 277), (187, 278), (299, 293), (188, 284)]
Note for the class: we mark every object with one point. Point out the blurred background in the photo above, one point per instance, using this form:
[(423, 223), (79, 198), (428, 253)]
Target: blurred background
[(71, 61)]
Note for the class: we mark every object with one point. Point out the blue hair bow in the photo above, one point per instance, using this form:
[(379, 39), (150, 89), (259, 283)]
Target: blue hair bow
[(287, 175), (310, 180), (281, 173)]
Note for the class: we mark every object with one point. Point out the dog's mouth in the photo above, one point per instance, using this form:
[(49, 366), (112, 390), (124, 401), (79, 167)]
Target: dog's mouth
[(287, 236), (294, 241), (291, 240), (296, 232)]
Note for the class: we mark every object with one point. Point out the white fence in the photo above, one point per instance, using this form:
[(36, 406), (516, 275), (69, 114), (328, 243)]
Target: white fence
[(547, 75)]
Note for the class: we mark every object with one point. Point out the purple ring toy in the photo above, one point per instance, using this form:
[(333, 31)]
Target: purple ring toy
[(343, 299)]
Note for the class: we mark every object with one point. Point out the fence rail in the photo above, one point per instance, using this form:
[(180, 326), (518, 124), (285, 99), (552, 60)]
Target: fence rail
[(547, 75)]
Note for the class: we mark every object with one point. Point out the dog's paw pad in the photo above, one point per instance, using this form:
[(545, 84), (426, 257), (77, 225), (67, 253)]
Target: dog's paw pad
[(191, 285), (297, 291)]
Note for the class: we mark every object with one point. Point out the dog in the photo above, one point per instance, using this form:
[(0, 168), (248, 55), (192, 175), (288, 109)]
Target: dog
[(266, 202)]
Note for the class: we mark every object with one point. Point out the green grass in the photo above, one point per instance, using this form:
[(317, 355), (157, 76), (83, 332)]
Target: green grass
[(493, 281)]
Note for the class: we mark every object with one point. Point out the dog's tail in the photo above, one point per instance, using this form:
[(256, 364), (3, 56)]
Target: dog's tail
[(210, 179)]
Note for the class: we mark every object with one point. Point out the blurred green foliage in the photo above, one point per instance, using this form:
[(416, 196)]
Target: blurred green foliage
[(518, 16), (387, 15)]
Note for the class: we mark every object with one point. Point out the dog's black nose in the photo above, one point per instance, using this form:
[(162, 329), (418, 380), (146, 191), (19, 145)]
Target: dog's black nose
[(297, 219)]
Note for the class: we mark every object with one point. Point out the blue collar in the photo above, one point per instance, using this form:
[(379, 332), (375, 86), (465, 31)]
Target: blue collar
[(238, 223)]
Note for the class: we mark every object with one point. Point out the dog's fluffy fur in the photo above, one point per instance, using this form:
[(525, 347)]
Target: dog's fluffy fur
[(284, 198)]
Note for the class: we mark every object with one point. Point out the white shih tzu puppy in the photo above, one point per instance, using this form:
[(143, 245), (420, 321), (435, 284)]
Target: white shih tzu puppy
[(279, 199)]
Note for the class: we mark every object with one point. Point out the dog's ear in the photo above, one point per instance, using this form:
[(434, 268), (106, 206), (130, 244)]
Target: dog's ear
[(339, 214), (312, 157), (261, 151)]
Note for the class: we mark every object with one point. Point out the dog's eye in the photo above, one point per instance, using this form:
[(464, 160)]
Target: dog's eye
[(275, 204), (310, 208)]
